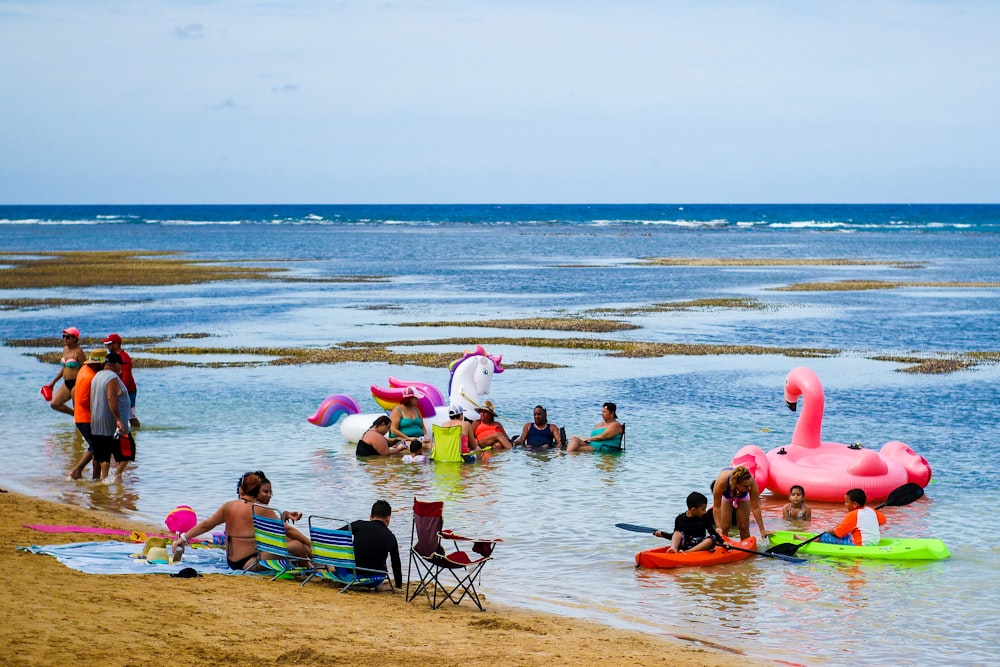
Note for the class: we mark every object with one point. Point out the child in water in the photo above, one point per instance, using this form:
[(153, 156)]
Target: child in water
[(693, 529), (416, 454), (796, 509)]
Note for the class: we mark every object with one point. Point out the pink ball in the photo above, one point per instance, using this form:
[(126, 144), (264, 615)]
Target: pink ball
[(181, 519)]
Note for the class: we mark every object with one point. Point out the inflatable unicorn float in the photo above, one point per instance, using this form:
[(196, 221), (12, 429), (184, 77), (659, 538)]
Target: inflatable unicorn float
[(471, 377), (827, 470)]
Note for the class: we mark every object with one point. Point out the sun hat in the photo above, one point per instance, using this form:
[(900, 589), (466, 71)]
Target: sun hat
[(113, 338), (97, 356), (456, 411), (410, 392), (71, 331), (158, 555), (487, 406)]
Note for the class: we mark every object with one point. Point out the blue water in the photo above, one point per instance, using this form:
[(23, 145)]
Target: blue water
[(686, 415)]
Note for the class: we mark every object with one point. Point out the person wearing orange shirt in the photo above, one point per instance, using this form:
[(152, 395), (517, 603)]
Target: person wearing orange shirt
[(861, 525), (81, 410)]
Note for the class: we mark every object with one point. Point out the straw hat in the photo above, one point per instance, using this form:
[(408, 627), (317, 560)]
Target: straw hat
[(487, 406)]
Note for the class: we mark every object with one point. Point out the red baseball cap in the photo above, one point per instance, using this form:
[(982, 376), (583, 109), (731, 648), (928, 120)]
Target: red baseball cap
[(113, 338), (72, 331)]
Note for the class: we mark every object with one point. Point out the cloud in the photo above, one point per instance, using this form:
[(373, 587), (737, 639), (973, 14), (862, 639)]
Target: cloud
[(286, 88)]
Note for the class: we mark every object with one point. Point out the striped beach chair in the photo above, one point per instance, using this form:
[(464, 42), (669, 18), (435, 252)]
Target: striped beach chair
[(333, 555), (272, 544)]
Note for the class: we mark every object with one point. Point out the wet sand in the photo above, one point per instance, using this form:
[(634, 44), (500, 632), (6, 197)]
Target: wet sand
[(53, 615)]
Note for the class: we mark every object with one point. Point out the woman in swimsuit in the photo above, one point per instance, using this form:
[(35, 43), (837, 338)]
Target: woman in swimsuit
[(735, 491), (539, 434), (606, 436), (375, 443), (241, 545), (406, 421), (489, 432), (73, 358)]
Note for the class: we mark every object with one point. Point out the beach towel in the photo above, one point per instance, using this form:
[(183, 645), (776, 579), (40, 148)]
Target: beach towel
[(217, 539), (114, 558)]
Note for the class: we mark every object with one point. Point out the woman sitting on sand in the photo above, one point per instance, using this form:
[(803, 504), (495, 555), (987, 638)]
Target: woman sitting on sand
[(375, 442), (73, 359), (241, 545)]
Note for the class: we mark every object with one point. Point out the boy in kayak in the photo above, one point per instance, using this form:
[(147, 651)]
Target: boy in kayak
[(693, 529), (861, 525)]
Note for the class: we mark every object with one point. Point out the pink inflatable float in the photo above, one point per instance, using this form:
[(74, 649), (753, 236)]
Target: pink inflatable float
[(827, 470)]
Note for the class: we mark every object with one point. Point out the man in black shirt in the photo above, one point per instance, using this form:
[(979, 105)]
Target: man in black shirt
[(373, 541)]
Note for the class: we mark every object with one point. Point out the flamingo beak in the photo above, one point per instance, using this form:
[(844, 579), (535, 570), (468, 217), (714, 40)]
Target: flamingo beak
[(791, 405)]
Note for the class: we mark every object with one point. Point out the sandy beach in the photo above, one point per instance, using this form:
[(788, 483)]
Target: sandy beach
[(53, 615)]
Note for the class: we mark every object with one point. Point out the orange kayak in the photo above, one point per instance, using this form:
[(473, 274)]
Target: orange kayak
[(660, 558)]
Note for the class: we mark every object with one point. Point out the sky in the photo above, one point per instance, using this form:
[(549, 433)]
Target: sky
[(491, 101)]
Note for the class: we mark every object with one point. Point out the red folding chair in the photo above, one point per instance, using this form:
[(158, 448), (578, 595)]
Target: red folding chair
[(428, 558)]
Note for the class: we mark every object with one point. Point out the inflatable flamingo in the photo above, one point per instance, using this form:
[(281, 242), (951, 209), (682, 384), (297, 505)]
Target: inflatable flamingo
[(471, 377), (827, 470)]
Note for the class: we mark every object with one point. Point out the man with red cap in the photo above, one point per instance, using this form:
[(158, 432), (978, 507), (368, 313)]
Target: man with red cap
[(114, 344)]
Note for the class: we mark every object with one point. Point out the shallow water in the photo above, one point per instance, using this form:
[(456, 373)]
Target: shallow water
[(686, 416)]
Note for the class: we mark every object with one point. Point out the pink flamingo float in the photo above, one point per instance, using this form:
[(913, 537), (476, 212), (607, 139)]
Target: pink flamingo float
[(827, 470)]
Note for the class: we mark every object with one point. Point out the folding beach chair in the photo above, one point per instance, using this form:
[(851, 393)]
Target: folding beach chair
[(272, 544), (447, 443), (428, 558), (333, 555)]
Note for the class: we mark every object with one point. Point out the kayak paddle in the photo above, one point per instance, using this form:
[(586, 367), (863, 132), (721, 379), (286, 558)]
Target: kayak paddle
[(904, 495), (643, 529), (768, 554)]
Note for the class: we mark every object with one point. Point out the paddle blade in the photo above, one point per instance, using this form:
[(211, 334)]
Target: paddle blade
[(904, 495), (790, 548), (787, 549), (634, 528)]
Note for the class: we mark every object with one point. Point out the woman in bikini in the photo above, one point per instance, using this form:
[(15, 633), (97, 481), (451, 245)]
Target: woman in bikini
[(376, 443), (73, 358), (606, 436), (735, 491), (241, 545), (406, 422)]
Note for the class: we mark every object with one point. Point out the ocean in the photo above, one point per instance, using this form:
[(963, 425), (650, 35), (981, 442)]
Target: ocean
[(203, 426)]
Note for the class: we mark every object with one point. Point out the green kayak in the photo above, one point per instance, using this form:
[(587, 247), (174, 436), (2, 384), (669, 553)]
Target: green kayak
[(888, 548)]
